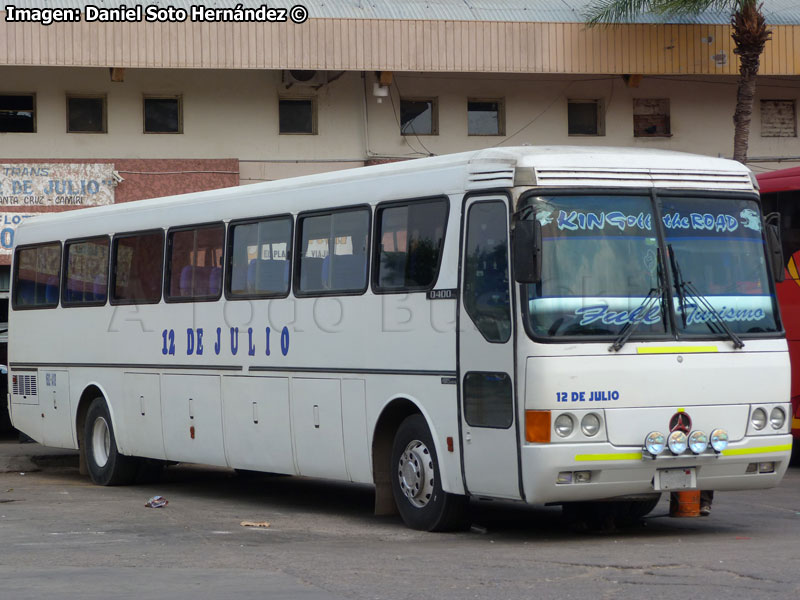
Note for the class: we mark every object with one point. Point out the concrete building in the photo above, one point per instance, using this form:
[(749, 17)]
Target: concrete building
[(202, 102)]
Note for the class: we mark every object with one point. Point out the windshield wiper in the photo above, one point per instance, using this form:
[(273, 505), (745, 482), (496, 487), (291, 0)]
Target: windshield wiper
[(655, 294), (679, 283), (682, 286)]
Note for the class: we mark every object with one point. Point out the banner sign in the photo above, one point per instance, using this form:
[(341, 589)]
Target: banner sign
[(49, 186), (66, 185), (8, 226)]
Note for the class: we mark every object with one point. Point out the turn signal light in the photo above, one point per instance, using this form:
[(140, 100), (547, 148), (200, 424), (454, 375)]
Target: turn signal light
[(537, 426)]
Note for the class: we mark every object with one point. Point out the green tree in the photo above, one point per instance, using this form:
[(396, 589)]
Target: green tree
[(750, 34)]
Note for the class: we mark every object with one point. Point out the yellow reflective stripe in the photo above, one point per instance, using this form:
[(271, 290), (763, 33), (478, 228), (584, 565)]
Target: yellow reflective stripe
[(596, 457), (675, 349), (761, 450), (792, 268)]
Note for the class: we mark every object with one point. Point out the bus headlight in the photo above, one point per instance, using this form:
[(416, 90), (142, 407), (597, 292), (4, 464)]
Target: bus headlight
[(564, 425), (677, 442), (698, 442), (758, 419), (777, 417), (590, 425), (655, 442), (719, 440)]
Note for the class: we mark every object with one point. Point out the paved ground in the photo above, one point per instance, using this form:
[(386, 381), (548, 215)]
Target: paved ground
[(61, 537)]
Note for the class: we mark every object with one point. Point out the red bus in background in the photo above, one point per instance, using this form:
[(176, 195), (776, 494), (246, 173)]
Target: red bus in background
[(780, 191)]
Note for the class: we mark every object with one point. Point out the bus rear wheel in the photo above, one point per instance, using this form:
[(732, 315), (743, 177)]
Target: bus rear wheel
[(417, 485), (105, 464)]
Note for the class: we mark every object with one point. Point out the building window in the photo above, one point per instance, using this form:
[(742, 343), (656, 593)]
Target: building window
[(651, 117), (585, 117), (419, 116), (485, 117), (297, 116), (778, 118), (163, 114), (18, 113), (86, 114)]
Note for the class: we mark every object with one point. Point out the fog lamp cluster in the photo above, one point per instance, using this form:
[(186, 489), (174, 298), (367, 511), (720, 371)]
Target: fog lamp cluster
[(678, 442), (565, 423), (759, 420), (574, 477)]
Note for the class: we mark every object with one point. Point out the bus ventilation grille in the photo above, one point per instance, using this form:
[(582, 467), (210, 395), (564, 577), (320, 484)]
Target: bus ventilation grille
[(24, 385), (490, 178), (645, 178)]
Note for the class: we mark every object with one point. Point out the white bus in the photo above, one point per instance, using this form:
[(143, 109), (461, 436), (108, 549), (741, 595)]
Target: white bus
[(546, 325)]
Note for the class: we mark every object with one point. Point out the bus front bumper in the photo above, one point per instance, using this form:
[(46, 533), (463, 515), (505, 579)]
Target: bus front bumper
[(615, 471)]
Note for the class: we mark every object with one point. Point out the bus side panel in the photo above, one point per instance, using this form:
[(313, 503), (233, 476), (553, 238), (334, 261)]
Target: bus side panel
[(140, 415), (317, 427), (57, 428), (437, 400), (789, 299), (192, 414), (23, 404), (258, 435), (354, 425)]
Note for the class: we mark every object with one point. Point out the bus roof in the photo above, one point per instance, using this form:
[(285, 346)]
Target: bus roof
[(491, 168), (783, 180)]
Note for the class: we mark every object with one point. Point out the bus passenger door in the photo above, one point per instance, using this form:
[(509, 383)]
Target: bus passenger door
[(486, 352)]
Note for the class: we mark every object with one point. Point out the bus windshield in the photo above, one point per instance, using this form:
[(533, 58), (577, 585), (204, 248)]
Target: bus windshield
[(600, 261), (719, 261), (602, 268)]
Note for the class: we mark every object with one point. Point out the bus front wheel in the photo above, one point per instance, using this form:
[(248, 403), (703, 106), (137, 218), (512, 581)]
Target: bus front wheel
[(105, 464), (416, 481)]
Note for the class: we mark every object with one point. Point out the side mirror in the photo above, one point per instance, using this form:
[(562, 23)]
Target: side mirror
[(772, 223), (527, 250)]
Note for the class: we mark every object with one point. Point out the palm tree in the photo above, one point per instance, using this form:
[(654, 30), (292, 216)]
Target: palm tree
[(750, 34)]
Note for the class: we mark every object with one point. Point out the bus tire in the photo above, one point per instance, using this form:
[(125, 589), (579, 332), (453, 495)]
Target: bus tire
[(417, 484), (105, 464)]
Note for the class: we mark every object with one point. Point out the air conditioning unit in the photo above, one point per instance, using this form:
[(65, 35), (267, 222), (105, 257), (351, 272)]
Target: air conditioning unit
[(307, 78)]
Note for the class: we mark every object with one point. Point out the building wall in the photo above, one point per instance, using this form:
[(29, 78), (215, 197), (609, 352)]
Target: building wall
[(230, 114), (234, 115), (424, 42), (536, 112)]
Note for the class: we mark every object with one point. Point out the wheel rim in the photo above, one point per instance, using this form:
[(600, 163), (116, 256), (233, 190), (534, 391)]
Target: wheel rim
[(101, 441), (416, 474)]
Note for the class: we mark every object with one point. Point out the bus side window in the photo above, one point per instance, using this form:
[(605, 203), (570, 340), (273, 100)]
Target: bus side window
[(486, 293), (410, 240), (260, 257), (333, 252), (86, 272), (36, 276), (488, 400), (138, 261), (195, 263)]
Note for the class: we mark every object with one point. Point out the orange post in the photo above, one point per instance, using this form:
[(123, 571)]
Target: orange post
[(684, 504)]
